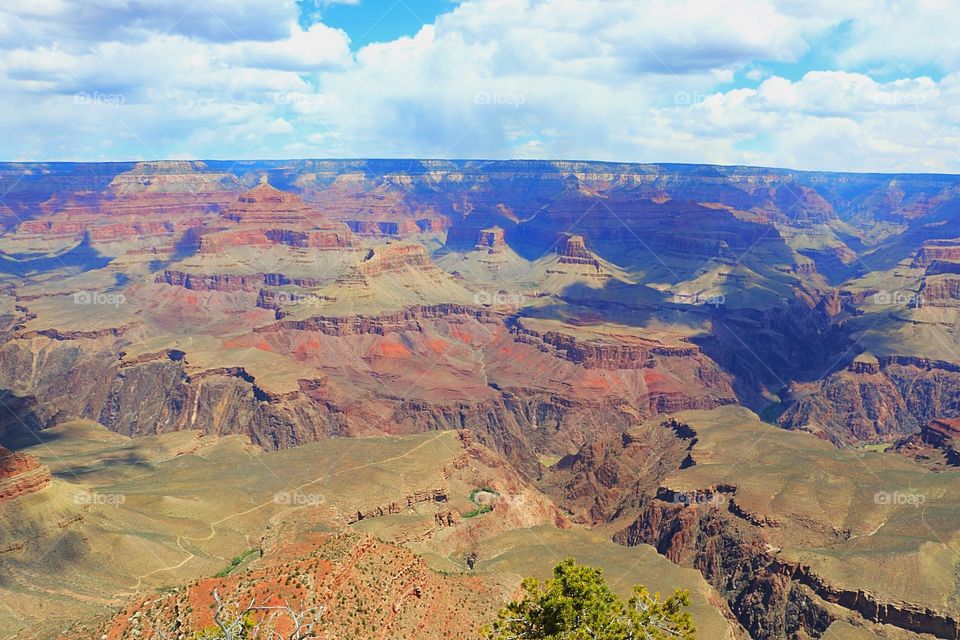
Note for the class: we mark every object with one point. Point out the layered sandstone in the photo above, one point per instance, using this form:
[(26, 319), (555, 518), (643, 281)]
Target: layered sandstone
[(393, 258), (409, 319), (875, 399), (632, 353), (575, 251), (939, 291), (266, 205), (937, 250), (21, 474), (388, 228), (228, 282), (938, 442)]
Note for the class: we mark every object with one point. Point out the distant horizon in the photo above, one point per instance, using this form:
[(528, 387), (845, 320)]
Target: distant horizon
[(847, 86), (487, 160)]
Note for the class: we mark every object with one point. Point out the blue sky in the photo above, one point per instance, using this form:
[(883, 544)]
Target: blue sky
[(857, 85), (380, 21)]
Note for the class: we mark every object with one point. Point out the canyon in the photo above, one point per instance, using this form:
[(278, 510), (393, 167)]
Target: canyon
[(623, 354)]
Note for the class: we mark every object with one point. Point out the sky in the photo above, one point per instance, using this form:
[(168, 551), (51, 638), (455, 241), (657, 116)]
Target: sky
[(839, 85)]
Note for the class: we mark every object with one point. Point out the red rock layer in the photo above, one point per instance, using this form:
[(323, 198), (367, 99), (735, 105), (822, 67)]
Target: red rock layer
[(942, 433), (265, 204), (941, 291), (948, 250), (392, 258), (20, 474), (594, 354)]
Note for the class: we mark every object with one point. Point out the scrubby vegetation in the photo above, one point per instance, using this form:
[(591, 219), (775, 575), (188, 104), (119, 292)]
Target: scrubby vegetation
[(577, 604)]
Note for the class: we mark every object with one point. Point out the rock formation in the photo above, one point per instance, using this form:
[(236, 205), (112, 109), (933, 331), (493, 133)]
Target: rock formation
[(574, 251), (491, 240), (21, 474)]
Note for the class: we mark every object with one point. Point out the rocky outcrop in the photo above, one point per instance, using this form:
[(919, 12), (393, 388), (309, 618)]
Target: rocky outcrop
[(217, 242), (875, 399), (939, 291), (311, 239), (597, 354), (409, 319), (766, 594), (21, 474), (398, 506), (228, 282), (265, 204), (349, 585), (900, 614), (608, 477), (491, 240), (734, 559), (394, 257), (940, 436), (574, 251), (390, 228), (865, 364), (937, 250)]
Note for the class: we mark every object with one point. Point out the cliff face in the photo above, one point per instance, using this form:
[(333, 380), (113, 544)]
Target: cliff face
[(938, 441), (595, 354), (937, 250), (940, 291), (575, 251), (265, 204), (227, 282), (609, 477), (734, 560), (408, 319), (20, 475), (394, 258), (879, 401)]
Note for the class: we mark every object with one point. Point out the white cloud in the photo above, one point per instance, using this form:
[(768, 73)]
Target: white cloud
[(645, 80), (837, 121)]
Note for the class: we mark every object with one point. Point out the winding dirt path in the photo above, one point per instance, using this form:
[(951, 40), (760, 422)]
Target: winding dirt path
[(213, 525)]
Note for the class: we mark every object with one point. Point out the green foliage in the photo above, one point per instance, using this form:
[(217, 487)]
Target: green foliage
[(576, 604), (481, 508), (236, 562)]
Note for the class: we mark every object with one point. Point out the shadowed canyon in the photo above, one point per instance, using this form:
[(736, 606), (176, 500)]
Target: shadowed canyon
[(443, 376)]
